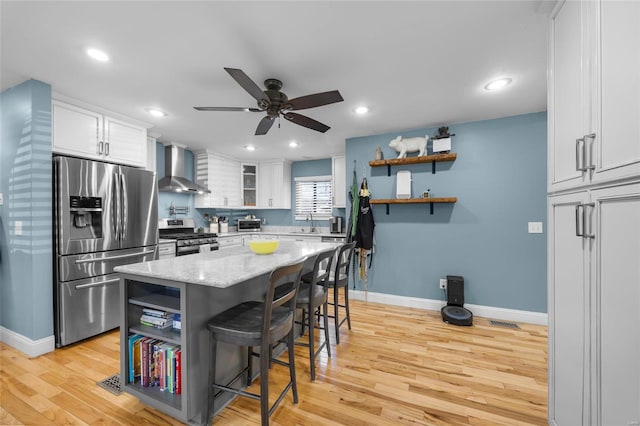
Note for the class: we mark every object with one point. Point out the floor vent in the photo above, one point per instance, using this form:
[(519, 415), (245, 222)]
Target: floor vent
[(504, 324), (111, 384)]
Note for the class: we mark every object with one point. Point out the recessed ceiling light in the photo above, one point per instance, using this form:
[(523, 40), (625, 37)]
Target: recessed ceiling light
[(362, 110), (293, 144), (156, 112), (498, 84), (250, 147), (98, 55)]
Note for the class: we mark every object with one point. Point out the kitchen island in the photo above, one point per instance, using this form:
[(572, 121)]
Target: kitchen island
[(196, 287)]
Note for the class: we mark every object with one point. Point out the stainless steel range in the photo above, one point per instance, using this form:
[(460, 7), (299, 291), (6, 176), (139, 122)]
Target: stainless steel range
[(187, 240)]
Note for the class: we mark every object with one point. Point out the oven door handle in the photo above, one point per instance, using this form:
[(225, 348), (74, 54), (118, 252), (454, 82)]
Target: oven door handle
[(111, 281), (119, 256)]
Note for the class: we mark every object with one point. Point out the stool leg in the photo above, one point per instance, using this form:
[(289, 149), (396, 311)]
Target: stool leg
[(325, 308), (249, 365), (312, 360), (292, 366), (212, 376), (346, 305), (264, 383), (335, 313)]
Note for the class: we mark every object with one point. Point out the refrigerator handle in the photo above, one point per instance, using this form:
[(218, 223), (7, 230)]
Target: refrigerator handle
[(125, 205), (116, 202)]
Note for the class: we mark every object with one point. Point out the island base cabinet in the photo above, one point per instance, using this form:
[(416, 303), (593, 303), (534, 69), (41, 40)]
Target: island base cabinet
[(196, 305), (594, 307)]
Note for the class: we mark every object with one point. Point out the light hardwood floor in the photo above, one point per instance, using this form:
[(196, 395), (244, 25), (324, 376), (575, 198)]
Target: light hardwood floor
[(396, 366)]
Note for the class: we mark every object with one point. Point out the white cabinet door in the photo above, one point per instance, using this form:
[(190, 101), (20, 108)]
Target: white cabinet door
[(616, 147), (338, 181), (274, 190), (617, 292), (222, 177), (125, 143), (568, 282), (77, 131), (568, 117)]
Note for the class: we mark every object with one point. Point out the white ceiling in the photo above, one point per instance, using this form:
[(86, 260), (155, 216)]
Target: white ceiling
[(415, 64)]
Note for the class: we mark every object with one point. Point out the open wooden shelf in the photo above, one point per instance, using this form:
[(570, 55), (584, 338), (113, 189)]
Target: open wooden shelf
[(434, 158), (429, 201)]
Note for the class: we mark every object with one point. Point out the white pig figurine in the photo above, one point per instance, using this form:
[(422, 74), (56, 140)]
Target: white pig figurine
[(409, 145)]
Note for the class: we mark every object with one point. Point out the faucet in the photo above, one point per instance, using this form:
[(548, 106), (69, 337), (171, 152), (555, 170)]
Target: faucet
[(310, 218)]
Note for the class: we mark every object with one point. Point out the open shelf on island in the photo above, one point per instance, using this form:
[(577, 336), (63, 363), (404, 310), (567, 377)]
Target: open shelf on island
[(433, 159), (429, 201)]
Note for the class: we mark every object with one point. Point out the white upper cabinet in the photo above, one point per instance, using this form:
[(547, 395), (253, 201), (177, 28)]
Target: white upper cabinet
[(274, 185), (84, 133), (594, 93), (568, 94), (222, 177), (338, 181), (616, 146)]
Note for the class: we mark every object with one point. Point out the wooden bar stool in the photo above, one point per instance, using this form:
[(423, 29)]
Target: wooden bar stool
[(259, 324), (338, 280), (312, 295)]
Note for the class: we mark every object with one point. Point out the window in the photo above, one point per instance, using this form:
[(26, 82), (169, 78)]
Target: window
[(313, 196)]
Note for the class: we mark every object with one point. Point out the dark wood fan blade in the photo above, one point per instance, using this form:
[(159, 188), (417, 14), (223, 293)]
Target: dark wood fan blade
[(248, 84), (315, 100), (227, 109), (264, 125), (306, 122)]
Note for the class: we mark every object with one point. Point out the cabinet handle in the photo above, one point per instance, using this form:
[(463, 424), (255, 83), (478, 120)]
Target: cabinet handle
[(579, 151), (106, 148), (578, 217), (100, 147), (591, 136), (584, 221)]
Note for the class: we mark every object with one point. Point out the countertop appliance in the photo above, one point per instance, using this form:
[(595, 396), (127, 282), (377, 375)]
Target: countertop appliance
[(335, 224), (249, 225), (105, 215), (187, 240)]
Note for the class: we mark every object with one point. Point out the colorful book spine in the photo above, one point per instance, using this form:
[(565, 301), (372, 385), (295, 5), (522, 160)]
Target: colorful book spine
[(179, 372), (132, 357)]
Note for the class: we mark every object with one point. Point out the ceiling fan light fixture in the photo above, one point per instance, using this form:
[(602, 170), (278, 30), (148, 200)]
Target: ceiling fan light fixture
[(249, 148), (361, 110), (98, 55), (497, 84)]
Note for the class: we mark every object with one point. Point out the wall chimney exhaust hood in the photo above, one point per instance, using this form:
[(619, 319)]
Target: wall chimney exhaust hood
[(174, 180)]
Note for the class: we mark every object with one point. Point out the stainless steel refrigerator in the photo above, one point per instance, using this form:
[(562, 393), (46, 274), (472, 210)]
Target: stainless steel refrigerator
[(105, 215)]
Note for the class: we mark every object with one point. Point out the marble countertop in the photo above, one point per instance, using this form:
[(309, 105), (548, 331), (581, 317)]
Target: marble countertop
[(224, 268)]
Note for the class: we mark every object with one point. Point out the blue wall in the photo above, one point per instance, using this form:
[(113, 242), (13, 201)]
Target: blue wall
[(499, 178), (26, 288)]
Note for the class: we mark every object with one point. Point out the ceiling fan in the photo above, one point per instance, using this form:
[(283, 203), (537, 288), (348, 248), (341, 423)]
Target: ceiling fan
[(276, 104)]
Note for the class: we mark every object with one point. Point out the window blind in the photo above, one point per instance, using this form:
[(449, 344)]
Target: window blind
[(313, 196)]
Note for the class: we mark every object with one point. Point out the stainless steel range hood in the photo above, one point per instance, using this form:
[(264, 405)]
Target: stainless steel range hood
[(174, 180)]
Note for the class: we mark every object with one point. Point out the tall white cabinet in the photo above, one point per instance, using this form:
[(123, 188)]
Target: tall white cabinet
[(274, 185), (223, 178), (594, 213)]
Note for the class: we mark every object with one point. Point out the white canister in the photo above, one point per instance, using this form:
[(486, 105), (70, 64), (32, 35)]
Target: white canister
[(224, 227), (213, 228)]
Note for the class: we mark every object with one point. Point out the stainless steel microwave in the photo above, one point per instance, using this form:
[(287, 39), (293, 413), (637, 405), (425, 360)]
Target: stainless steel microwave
[(249, 225)]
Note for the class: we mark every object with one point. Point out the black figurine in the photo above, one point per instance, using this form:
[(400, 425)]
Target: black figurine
[(443, 132)]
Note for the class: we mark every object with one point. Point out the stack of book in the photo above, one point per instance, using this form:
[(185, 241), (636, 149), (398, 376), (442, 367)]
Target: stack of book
[(156, 318), (155, 363)]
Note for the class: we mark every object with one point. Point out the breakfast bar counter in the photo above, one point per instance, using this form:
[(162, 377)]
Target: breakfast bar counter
[(196, 287)]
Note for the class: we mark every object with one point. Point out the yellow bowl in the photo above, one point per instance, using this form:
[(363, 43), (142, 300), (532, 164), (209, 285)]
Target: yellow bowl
[(263, 246)]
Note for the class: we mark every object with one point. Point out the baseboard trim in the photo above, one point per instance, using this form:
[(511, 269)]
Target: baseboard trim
[(32, 348), (504, 314)]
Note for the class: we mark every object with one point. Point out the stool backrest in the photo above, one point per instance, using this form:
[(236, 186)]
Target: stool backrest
[(345, 253), (322, 268), (281, 277)]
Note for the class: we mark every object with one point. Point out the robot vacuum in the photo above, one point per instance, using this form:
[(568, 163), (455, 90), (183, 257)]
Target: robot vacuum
[(454, 313)]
